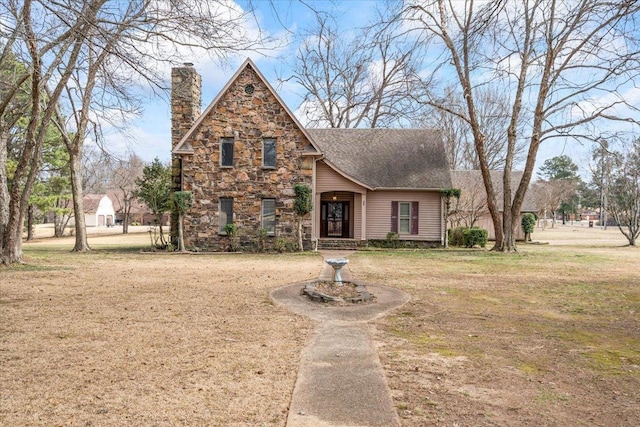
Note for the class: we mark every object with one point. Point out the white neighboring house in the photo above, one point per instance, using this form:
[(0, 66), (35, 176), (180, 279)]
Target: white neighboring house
[(98, 210)]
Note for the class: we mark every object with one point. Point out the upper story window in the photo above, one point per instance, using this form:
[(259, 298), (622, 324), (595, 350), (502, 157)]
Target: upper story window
[(269, 152), (226, 152)]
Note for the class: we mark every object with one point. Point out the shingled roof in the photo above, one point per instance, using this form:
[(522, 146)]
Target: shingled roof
[(470, 179), (387, 158)]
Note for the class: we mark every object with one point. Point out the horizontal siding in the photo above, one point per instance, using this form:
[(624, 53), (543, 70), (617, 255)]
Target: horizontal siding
[(429, 210), (329, 180), (357, 217), (486, 222)]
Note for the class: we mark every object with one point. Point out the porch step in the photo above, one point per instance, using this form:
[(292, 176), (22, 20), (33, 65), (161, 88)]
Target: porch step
[(337, 244)]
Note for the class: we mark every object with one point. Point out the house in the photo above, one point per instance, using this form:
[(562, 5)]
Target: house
[(98, 210), (472, 208), (242, 156), (139, 212)]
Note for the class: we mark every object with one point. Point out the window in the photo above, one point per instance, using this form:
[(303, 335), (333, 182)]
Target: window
[(269, 152), (404, 217), (225, 208), (226, 152), (269, 216)]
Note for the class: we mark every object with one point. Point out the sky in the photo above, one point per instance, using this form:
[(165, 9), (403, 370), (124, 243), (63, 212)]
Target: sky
[(149, 135)]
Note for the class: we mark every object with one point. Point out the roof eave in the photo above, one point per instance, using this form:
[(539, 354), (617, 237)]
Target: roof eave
[(347, 176), (406, 189)]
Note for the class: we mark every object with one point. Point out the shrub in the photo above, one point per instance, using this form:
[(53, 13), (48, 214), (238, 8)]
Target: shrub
[(262, 239), (528, 225), (232, 234), (456, 236), (393, 240), (475, 236), (281, 244)]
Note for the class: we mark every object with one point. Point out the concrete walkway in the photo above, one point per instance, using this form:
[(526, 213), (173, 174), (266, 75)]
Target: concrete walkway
[(340, 381)]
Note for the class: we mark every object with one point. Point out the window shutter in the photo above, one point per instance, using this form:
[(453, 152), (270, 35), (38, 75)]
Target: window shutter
[(414, 218), (394, 217)]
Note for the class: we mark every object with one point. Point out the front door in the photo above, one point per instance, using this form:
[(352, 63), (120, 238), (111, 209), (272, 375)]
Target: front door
[(334, 219)]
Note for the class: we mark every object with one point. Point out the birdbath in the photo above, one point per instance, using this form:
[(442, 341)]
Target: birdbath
[(337, 264)]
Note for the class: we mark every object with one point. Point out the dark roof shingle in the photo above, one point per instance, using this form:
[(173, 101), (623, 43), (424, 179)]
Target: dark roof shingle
[(387, 158), (467, 180)]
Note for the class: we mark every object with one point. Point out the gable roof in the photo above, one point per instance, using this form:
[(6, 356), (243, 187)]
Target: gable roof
[(411, 159), (470, 179), (184, 147), (91, 202)]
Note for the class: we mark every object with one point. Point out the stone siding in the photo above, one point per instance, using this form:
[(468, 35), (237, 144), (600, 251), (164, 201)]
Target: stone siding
[(248, 118)]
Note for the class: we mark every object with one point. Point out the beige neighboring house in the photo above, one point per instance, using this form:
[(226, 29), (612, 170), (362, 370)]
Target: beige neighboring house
[(98, 210), (243, 155), (139, 212), (473, 199)]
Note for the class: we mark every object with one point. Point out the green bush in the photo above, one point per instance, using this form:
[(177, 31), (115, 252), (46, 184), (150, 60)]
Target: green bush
[(262, 239), (393, 240), (456, 236), (475, 236), (280, 244), (528, 225)]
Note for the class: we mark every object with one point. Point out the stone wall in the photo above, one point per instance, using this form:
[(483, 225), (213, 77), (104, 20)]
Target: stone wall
[(186, 102), (248, 116)]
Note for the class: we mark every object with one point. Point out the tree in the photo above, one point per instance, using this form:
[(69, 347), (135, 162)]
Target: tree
[(302, 206), (154, 188), (458, 139), (562, 178), (181, 201), (550, 195), (472, 204), (528, 225), (363, 77), (553, 58), (604, 161), (82, 65), (123, 177), (559, 167), (447, 194), (624, 192)]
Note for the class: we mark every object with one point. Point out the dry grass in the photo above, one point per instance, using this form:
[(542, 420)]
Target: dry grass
[(124, 338), (550, 336)]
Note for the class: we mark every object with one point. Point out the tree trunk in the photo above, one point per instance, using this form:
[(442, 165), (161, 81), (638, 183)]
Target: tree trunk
[(58, 225), (81, 245), (125, 214), (30, 224), (300, 247), (180, 234), (4, 190)]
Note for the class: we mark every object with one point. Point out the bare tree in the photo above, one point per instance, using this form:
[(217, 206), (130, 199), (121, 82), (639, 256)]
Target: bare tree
[(555, 60), (83, 59), (493, 115), (550, 194), (364, 77), (624, 192), (123, 177)]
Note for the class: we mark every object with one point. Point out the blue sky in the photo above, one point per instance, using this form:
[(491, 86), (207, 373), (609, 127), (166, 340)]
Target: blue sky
[(149, 135)]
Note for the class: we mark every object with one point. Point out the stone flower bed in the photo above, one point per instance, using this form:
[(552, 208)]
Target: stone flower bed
[(329, 292)]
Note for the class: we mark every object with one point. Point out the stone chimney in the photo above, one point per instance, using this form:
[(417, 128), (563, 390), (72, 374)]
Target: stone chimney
[(186, 99)]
